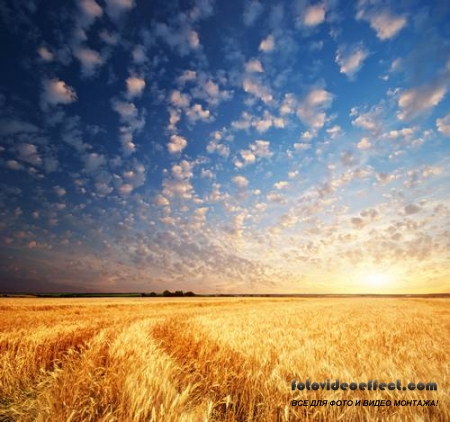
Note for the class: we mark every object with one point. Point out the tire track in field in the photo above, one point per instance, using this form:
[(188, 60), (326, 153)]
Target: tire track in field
[(123, 376), (26, 368), (232, 381), (30, 370)]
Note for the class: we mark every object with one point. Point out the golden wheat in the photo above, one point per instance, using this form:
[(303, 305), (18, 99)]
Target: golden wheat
[(218, 359)]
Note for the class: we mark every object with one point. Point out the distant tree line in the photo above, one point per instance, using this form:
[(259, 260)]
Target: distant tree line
[(168, 293), (165, 293)]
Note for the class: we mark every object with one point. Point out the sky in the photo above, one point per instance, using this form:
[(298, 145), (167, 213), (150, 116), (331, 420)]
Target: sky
[(225, 146)]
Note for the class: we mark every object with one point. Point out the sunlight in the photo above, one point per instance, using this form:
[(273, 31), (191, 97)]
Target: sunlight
[(378, 279)]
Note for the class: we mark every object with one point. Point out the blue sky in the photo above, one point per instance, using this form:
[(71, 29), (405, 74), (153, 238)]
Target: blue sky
[(225, 146)]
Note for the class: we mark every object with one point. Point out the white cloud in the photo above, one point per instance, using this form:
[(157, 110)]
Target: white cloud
[(364, 143), (174, 118), (384, 22), (126, 189), (179, 185), (253, 66), (196, 112), (348, 158), (431, 171), (370, 120), (51, 164), (254, 87), (260, 124), (211, 88), (334, 131), (314, 15), (358, 222), (161, 201), (288, 105), (281, 185), (45, 54), (247, 156), (307, 136), (216, 195), (90, 11), (257, 150), (238, 224), (207, 174), (263, 124), (128, 145), (57, 92), (116, 8), (102, 188), (412, 209), (387, 25), (384, 177), (276, 197), (311, 109), (177, 144), (135, 86), (279, 122), (187, 76), (11, 127), (110, 38), (179, 99), (405, 132), (215, 146), (244, 123), (202, 9), (14, 165), (59, 191), (93, 162), (240, 181), (128, 114), (443, 125), (208, 90), (252, 11), (200, 214), (267, 44), (416, 101), (299, 146), (29, 154), (396, 65), (182, 37), (90, 60), (194, 40), (261, 148), (138, 54), (137, 176), (132, 123), (351, 58)]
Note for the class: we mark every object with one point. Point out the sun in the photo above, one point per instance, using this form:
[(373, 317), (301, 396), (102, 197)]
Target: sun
[(378, 279)]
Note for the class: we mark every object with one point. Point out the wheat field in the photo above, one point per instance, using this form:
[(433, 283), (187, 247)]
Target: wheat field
[(218, 359)]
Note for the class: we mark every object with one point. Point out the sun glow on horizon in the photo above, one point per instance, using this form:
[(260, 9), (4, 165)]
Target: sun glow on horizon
[(378, 279)]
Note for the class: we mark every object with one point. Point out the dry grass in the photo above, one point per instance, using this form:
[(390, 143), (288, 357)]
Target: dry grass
[(218, 359)]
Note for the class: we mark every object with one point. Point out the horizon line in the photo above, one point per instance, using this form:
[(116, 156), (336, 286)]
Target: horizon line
[(139, 294)]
